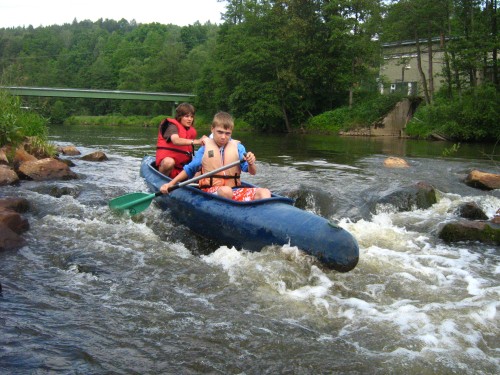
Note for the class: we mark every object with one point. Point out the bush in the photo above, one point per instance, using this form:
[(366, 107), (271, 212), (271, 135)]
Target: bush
[(331, 121), (10, 124), (16, 124)]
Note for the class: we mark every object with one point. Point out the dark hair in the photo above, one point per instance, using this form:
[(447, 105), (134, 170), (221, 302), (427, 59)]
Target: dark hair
[(184, 109)]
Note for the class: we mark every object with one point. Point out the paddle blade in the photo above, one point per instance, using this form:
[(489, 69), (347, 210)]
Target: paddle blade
[(133, 202)]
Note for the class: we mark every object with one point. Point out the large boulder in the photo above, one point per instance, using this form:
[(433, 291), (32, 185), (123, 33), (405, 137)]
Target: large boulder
[(46, 169), (7, 175), (483, 180)]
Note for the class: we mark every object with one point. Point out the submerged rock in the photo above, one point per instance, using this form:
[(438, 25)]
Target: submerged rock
[(313, 199), (419, 196), (59, 191), (16, 204), (12, 224), (95, 156), (471, 211), (394, 162), (69, 150), (10, 240), (13, 220)]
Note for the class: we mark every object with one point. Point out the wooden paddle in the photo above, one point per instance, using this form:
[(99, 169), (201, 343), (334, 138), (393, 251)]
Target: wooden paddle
[(138, 202)]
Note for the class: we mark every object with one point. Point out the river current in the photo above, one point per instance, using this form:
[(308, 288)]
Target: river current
[(95, 292)]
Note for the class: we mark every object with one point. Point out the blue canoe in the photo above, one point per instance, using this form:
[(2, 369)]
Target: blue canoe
[(254, 225)]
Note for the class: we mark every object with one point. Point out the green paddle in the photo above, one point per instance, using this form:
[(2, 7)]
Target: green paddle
[(138, 202)]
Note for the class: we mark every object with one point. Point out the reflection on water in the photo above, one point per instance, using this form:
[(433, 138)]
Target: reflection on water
[(96, 292)]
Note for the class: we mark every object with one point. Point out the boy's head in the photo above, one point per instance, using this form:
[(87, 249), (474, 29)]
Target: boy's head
[(223, 120), (222, 128)]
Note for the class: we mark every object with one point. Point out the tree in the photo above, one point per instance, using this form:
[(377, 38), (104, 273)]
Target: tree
[(280, 62), (361, 20)]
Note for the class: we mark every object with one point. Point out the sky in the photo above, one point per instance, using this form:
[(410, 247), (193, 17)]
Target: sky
[(15, 13)]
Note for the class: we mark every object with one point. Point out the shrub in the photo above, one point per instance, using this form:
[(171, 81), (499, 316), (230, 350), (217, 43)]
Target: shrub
[(16, 124), (10, 124), (331, 121)]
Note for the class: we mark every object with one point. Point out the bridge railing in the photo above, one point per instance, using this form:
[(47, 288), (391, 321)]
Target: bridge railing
[(98, 94)]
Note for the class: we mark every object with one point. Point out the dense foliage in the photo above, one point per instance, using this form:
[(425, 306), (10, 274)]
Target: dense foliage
[(277, 65), (471, 117)]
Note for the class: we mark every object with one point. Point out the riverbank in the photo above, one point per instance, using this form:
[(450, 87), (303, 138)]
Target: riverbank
[(202, 122), (472, 117)]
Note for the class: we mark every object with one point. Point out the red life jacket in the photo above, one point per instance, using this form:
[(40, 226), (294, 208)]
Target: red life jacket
[(181, 154)]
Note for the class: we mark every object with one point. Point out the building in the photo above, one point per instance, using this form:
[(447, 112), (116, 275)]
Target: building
[(399, 71)]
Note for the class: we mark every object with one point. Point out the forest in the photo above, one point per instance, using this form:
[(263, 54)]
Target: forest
[(280, 66)]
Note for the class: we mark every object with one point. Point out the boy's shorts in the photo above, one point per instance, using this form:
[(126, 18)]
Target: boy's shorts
[(239, 194)]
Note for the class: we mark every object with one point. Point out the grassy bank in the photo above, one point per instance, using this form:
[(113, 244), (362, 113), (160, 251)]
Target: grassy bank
[(17, 124), (114, 120), (202, 122), (368, 108)]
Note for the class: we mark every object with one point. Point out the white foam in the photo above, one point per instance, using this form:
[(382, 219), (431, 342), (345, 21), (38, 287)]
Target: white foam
[(230, 259)]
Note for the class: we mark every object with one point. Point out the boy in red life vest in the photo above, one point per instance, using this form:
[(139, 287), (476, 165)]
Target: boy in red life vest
[(176, 140), (216, 152)]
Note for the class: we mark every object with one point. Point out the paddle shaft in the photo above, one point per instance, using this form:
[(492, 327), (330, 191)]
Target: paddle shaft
[(136, 204), (197, 178)]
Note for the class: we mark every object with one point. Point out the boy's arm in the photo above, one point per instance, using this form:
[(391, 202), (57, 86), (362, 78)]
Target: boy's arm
[(249, 164), (195, 164)]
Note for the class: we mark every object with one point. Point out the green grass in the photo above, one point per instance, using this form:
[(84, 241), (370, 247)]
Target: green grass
[(18, 124)]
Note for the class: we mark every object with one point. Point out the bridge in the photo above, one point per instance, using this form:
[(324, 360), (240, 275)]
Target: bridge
[(98, 94)]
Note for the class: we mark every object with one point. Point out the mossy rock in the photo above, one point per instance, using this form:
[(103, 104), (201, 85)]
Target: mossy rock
[(464, 230)]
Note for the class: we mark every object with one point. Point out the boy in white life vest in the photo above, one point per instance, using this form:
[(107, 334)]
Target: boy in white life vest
[(216, 152)]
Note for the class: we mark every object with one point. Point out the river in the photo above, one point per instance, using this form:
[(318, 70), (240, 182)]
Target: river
[(94, 292)]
